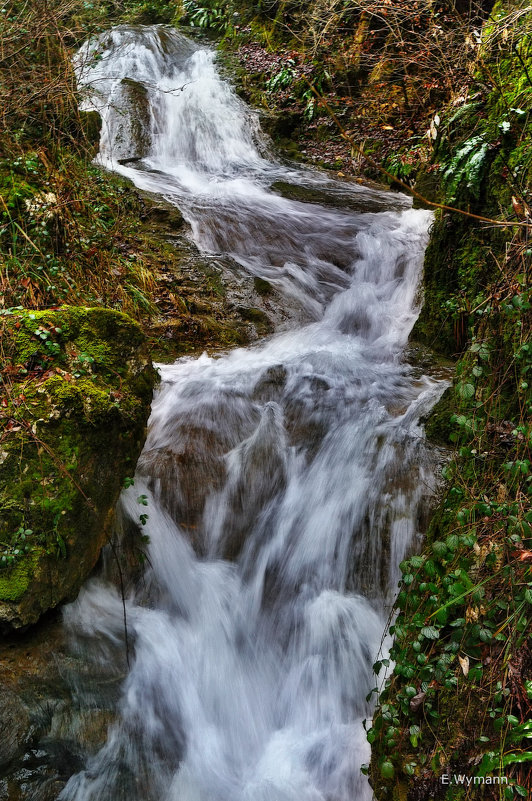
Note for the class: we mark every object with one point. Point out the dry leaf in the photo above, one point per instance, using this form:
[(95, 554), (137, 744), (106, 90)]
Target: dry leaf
[(417, 701), (464, 664)]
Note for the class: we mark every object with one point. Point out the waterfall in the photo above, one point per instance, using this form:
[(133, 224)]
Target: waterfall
[(283, 483)]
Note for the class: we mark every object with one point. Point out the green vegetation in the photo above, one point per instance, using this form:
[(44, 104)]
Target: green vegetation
[(68, 232), (440, 94), (72, 406), (459, 700), (77, 390)]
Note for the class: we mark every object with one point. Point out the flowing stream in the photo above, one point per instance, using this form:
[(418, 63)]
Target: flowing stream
[(284, 482)]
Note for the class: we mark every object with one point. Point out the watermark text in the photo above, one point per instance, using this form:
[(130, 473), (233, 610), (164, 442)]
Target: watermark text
[(467, 781)]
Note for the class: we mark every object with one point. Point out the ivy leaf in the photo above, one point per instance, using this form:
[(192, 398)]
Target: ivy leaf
[(452, 542), (387, 770), (430, 632), (466, 391), (439, 548), (485, 635)]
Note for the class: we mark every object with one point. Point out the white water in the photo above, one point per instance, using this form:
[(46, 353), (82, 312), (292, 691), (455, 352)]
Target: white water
[(284, 481)]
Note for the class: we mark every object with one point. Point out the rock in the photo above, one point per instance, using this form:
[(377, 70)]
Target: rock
[(130, 126), (282, 125), (261, 473), (165, 215), (91, 123), (187, 473), (73, 426), (14, 726), (361, 201), (271, 384)]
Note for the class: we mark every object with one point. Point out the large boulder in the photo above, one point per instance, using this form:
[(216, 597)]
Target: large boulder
[(75, 398), (129, 126)]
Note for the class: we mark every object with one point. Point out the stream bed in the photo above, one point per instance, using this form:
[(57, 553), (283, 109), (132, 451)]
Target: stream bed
[(280, 485)]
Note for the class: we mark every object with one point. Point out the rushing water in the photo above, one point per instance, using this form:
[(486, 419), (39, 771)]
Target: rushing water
[(284, 482)]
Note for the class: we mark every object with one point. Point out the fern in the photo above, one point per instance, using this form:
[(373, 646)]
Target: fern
[(205, 16), (466, 168), (283, 78), (462, 112)]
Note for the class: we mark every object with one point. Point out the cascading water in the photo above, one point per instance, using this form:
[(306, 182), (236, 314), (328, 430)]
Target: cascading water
[(284, 482)]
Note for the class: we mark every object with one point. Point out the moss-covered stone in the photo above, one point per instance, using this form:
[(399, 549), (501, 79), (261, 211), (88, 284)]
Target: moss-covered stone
[(438, 426), (78, 384)]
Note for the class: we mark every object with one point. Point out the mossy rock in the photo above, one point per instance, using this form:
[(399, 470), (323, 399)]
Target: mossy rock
[(438, 426), (78, 385), (91, 124)]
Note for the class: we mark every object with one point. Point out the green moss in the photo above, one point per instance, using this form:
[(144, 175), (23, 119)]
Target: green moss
[(262, 287), (438, 426), (15, 189), (256, 316), (99, 333), (436, 325), (81, 386), (80, 399), (14, 583)]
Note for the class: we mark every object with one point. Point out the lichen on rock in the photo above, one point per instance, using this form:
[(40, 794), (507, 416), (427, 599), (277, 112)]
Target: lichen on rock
[(76, 390)]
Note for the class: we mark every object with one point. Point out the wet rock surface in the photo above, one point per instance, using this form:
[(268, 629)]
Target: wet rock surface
[(49, 724), (205, 302), (14, 725)]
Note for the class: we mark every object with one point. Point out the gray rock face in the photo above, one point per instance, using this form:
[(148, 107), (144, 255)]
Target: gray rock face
[(130, 131), (50, 723), (14, 726)]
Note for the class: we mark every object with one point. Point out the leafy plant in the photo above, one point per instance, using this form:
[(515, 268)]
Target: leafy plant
[(16, 549), (283, 78), (467, 168), (207, 16)]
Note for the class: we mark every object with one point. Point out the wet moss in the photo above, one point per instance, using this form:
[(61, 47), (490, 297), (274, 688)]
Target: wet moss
[(262, 287), (15, 189), (79, 396), (260, 320), (15, 583), (438, 426)]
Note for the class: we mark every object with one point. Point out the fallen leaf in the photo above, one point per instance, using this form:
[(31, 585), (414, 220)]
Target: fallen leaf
[(464, 664), (417, 701)]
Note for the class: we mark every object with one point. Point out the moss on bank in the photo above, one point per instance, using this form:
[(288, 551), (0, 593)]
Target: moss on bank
[(459, 698), (77, 386)]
